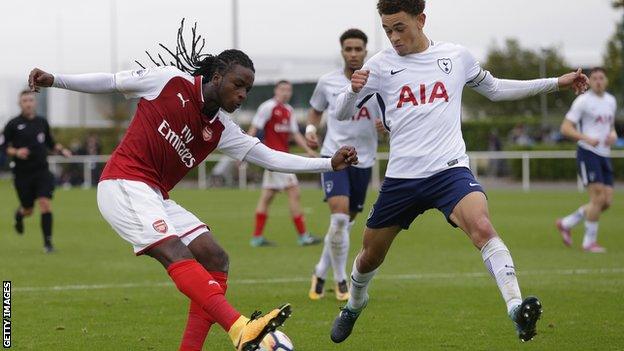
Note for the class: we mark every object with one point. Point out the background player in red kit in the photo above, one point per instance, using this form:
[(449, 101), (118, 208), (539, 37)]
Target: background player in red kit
[(275, 118), (178, 122)]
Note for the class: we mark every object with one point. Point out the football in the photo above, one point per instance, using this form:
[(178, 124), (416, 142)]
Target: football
[(276, 341)]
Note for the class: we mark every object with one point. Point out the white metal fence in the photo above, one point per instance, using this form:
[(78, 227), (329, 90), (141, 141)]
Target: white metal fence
[(89, 163)]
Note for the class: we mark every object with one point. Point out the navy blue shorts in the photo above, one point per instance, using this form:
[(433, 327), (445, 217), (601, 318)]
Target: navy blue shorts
[(402, 200), (594, 168), (351, 182)]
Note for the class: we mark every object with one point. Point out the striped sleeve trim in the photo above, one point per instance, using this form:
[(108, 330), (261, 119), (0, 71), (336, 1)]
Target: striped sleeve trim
[(476, 81)]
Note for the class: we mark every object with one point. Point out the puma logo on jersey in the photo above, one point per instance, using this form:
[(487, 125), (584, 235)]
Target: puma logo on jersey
[(213, 282), (21, 126), (182, 99), (407, 95)]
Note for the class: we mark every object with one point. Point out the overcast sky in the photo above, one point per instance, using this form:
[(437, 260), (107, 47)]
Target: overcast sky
[(75, 35)]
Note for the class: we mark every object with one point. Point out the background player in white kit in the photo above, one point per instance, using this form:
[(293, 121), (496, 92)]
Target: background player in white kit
[(275, 118), (591, 122), (345, 191), (419, 83)]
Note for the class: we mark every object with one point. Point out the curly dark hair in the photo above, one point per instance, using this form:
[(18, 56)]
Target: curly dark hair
[(353, 33), (197, 63), (390, 7)]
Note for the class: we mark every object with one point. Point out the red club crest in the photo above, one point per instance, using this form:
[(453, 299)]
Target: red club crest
[(207, 133), (160, 226)]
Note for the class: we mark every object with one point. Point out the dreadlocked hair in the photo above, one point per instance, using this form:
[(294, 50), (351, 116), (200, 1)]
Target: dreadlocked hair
[(197, 63)]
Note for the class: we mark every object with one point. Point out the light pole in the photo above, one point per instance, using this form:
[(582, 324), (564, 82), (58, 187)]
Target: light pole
[(619, 4), (235, 24), (543, 97), (113, 35)]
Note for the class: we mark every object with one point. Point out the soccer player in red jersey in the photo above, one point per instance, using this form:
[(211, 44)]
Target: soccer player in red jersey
[(275, 118), (180, 119)]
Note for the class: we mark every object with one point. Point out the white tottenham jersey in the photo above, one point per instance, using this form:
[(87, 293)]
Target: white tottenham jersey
[(594, 116), (420, 97), (358, 131)]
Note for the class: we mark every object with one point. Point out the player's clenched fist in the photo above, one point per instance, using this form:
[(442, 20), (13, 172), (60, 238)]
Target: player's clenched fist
[(39, 78), (344, 157), (575, 80), (359, 79)]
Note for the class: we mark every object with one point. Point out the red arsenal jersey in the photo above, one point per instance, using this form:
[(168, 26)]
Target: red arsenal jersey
[(169, 135), (277, 122)]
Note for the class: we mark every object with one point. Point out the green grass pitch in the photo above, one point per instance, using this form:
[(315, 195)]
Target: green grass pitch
[(432, 293)]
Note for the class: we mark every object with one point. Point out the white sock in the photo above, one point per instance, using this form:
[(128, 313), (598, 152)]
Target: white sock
[(498, 261), (359, 288), (591, 233), (574, 218), (339, 245), (321, 268)]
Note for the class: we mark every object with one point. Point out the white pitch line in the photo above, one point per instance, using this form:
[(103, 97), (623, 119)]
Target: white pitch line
[(416, 276)]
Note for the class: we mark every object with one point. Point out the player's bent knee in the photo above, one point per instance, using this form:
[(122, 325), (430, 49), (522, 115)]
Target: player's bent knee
[(338, 204), (482, 230), (219, 260), (170, 251), (598, 195), (45, 205), (215, 261), (27, 211), (600, 200), (209, 254)]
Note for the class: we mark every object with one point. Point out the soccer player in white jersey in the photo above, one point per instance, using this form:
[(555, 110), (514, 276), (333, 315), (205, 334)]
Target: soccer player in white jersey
[(275, 118), (591, 122), (345, 191), (178, 122), (419, 83)]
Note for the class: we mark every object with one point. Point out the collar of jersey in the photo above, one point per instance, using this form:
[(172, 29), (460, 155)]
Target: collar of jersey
[(199, 84)]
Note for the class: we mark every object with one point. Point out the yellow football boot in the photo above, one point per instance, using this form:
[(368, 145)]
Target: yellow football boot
[(251, 331), (316, 289), (342, 291)]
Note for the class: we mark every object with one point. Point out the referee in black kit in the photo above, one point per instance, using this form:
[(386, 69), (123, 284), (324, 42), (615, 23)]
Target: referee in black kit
[(27, 140)]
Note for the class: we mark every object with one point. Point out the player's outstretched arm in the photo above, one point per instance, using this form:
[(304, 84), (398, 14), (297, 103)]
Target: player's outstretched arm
[(279, 161), (497, 89), (94, 83)]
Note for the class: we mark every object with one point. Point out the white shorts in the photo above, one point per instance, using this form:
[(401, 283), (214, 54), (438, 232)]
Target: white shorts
[(278, 181), (141, 216)]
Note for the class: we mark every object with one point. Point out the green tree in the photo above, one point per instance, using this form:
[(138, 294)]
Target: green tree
[(612, 58), (612, 61), (512, 61)]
